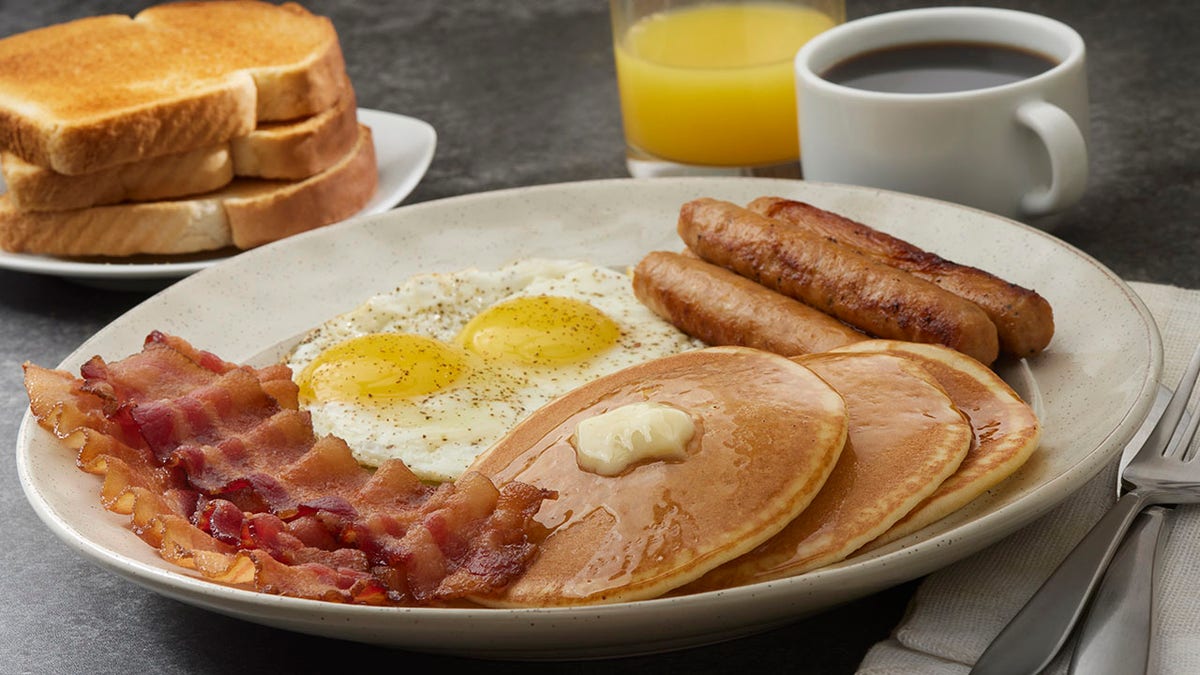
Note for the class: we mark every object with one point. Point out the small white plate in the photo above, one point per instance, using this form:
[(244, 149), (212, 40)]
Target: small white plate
[(404, 148), (1091, 388)]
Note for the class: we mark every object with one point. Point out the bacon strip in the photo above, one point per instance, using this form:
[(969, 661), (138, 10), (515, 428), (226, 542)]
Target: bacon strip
[(219, 470)]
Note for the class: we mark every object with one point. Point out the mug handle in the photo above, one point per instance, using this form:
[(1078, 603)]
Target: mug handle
[(1068, 157)]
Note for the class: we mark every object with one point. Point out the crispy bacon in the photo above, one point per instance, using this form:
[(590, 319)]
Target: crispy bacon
[(219, 470)]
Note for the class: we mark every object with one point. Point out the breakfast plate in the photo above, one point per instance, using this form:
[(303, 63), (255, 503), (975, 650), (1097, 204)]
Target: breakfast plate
[(1091, 388), (404, 148)]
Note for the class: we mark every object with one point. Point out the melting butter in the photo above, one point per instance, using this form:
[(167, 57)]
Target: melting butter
[(607, 444)]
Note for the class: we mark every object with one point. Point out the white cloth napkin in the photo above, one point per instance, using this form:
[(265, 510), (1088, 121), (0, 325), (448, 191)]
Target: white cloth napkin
[(958, 610)]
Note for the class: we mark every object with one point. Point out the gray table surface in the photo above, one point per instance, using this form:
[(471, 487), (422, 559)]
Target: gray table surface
[(523, 93)]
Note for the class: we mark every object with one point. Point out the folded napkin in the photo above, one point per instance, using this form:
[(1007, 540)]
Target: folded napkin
[(958, 610)]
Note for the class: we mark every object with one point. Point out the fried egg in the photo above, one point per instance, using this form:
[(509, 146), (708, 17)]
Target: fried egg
[(437, 370)]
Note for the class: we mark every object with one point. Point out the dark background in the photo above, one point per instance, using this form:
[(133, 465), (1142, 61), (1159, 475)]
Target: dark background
[(524, 93)]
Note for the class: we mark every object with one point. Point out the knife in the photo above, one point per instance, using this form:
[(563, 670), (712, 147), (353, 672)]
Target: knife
[(1117, 636), (1117, 633)]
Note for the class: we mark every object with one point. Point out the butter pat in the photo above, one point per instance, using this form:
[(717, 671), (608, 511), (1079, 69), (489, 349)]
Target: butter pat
[(639, 432)]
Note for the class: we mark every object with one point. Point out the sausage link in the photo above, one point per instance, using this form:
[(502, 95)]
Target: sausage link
[(1024, 320), (718, 307), (878, 299)]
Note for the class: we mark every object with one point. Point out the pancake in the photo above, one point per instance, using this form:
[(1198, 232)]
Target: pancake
[(766, 433), (905, 438), (1006, 430)]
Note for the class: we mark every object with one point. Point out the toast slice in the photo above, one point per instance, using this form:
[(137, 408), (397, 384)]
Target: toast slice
[(276, 150), (293, 55), (244, 214), (34, 188), (260, 211), (101, 91), (299, 149)]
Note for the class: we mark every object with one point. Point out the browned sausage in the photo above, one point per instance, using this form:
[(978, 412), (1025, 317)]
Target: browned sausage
[(879, 299), (718, 307), (1024, 320)]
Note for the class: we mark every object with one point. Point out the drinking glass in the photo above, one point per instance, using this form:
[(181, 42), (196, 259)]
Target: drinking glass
[(708, 88)]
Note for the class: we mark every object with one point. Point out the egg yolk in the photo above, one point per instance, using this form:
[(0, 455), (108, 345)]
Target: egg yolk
[(540, 330), (382, 366)]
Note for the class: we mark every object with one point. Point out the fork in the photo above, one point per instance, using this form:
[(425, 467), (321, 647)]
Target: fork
[(1162, 472)]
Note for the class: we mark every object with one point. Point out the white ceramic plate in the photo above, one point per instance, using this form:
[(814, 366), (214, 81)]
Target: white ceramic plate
[(1092, 388), (404, 147)]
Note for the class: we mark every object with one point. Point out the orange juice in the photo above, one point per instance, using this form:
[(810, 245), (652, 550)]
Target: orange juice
[(713, 84)]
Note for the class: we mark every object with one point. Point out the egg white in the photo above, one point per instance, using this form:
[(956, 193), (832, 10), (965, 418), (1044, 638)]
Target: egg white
[(438, 435)]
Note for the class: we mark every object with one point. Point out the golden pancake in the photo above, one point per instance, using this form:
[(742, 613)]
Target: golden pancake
[(905, 438), (1006, 430), (766, 432)]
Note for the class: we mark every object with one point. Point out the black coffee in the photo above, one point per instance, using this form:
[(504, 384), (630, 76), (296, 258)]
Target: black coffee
[(938, 67)]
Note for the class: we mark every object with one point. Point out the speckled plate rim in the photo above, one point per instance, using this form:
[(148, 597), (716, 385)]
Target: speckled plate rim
[(404, 148), (1092, 388)]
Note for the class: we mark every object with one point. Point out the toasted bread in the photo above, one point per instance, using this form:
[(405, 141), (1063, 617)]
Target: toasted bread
[(245, 213), (97, 92), (295, 150), (261, 211), (293, 55), (276, 150), (35, 188)]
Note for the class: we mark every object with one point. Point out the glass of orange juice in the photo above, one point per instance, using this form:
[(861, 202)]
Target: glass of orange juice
[(708, 86)]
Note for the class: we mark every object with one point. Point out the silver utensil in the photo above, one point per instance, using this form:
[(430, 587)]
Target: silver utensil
[(1117, 633), (1117, 636), (1162, 472)]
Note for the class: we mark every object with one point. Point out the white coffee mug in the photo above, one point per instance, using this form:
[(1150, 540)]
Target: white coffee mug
[(1017, 149)]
